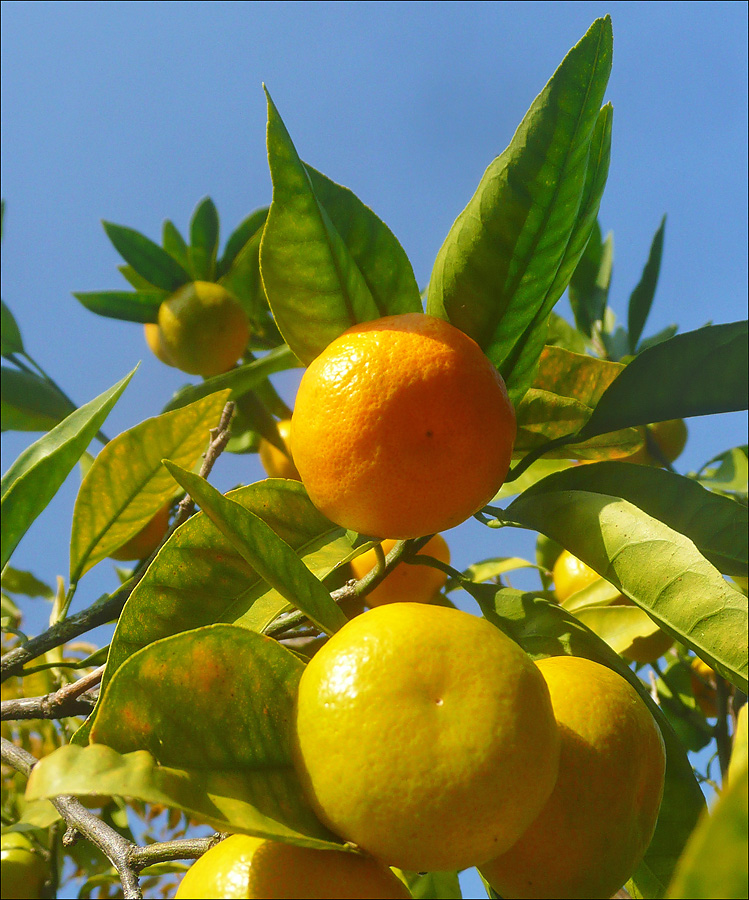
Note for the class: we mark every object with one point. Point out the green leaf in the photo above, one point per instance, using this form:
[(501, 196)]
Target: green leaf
[(135, 280), (730, 475), (10, 334), (561, 334), (677, 701), (127, 484), (714, 864), (30, 403), (642, 296), (175, 245), (204, 240), (131, 306), (148, 259), (201, 722), (591, 280), (739, 749), (540, 469), (668, 332), (620, 626), (16, 581), (271, 557), (544, 629), (658, 568), (313, 284), (698, 373), (488, 569), (432, 885), (34, 478), (239, 381), (239, 237), (510, 253)]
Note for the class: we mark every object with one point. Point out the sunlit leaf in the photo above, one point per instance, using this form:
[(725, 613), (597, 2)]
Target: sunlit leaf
[(728, 472)]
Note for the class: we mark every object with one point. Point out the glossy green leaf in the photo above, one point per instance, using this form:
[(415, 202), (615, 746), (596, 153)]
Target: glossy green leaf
[(728, 472), (271, 557), (716, 525), (35, 477), (135, 280), (589, 285), (539, 470), (29, 403), (239, 237), (566, 388), (238, 381), (203, 251), (714, 864), (16, 581), (315, 288), (148, 259), (204, 719), (657, 567), (130, 306), (642, 296), (497, 275), (698, 373), (10, 334), (175, 245), (127, 484), (544, 629)]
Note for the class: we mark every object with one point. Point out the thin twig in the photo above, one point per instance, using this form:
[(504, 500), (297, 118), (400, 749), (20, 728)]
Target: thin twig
[(722, 738), (166, 851), (71, 700)]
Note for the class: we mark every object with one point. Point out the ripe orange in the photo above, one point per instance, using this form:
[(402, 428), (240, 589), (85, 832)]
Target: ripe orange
[(146, 540), (203, 329), (24, 870), (402, 427), (243, 866), (155, 344), (670, 436), (598, 822), (407, 582), (425, 736), (276, 463), (704, 688)]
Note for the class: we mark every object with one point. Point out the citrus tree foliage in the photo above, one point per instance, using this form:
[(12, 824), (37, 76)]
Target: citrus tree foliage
[(192, 720)]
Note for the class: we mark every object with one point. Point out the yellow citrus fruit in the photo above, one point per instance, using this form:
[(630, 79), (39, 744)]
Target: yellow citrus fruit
[(571, 575), (425, 736), (598, 822), (407, 582), (671, 438), (243, 866), (704, 688), (402, 427), (156, 345), (24, 870), (203, 329), (146, 540), (276, 463)]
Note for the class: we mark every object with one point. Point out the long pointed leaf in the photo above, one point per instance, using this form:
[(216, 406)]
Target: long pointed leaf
[(642, 296), (130, 306), (29, 403), (204, 240), (146, 257)]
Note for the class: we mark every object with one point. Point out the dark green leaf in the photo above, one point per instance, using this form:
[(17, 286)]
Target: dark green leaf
[(668, 332), (244, 282), (148, 259), (204, 240), (29, 403), (132, 306), (642, 296), (698, 373), (35, 477), (10, 334), (591, 280), (136, 280), (658, 568), (175, 245), (677, 701), (271, 557), (544, 629), (510, 253), (239, 237), (314, 286), (16, 581)]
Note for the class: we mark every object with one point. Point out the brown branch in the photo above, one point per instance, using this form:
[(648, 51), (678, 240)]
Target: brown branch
[(73, 699), (110, 606)]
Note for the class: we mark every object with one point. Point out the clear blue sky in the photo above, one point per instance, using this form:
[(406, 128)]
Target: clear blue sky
[(132, 111)]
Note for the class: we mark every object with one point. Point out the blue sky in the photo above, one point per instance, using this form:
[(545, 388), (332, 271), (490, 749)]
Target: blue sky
[(132, 112)]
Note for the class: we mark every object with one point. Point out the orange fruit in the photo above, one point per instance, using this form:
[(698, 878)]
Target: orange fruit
[(155, 344), (276, 463), (571, 575), (243, 866), (203, 329), (407, 582), (425, 736), (24, 870), (598, 822), (704, 688), (402, 427), (146, 540), (670, 436)]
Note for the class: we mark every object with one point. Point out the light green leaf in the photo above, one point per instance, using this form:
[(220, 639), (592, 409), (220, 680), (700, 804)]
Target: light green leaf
[(239, 237), (727, 472), (539, 470), (34, 478), (127, 484), (16, 581)]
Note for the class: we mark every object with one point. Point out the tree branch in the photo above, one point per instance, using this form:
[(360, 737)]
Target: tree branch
[(73, 699)]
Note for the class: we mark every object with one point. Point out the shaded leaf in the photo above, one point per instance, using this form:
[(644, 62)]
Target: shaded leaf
[(497, 275), (619, 626), (561, 334), (545, 629), (175, 245), (10, 334), (727, 472), (148, 259), (135, 280), (239, 237), (204, 240), (30, 403), (642, 296), (130, 306), (677, 701), (658, 338), (658, 568), (34, 478), (127, 484)]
